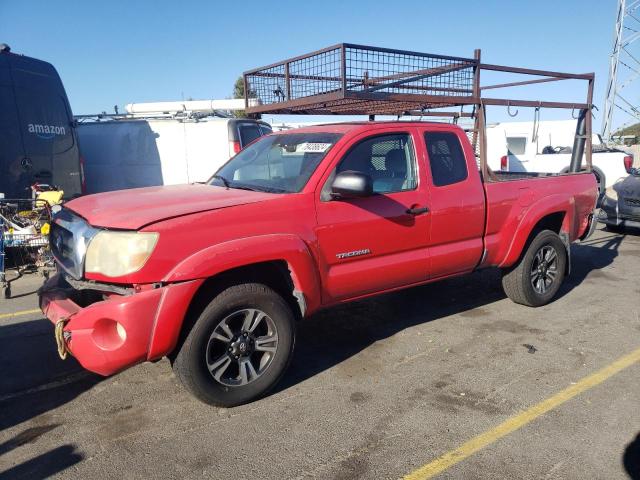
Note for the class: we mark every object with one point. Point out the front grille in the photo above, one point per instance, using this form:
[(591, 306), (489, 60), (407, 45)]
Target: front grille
[(61, 242), (69, 237), (632, 201)]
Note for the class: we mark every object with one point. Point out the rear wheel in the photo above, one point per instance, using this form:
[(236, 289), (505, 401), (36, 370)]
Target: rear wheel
[(537, 277), (239, 347)]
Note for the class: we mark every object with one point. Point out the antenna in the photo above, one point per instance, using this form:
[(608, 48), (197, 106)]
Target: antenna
[(624, 69)]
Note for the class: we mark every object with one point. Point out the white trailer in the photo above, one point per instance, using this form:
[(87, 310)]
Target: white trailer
[(130, 152), (546, 147)]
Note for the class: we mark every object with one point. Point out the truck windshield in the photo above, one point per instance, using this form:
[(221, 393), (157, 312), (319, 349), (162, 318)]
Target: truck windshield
[(280, 163)]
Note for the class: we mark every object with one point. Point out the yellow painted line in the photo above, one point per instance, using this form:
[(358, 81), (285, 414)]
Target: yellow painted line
[(22, 312), (516, 422)]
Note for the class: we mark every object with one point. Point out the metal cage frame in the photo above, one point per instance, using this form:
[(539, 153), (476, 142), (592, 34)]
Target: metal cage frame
[(350, 79)]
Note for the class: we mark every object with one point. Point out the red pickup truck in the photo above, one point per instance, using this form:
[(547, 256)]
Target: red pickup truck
[(216, 276)]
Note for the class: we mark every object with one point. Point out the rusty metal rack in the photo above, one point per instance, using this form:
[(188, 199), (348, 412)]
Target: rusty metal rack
[(348, 79)]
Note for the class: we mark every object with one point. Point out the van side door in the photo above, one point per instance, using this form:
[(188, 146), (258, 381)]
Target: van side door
[(51, 150), (11, 149)]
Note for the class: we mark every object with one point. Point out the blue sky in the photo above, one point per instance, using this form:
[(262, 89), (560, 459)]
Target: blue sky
[(115, 52)]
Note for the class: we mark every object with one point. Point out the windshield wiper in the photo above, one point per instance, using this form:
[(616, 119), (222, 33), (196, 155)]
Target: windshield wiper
[(252, 188), (247, 187), (224, 180)]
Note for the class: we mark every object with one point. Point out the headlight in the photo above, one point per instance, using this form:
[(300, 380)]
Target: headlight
[(114, 254)]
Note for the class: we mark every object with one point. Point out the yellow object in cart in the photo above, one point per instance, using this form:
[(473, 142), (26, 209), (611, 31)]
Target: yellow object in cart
[(45, 229), (53, 197)]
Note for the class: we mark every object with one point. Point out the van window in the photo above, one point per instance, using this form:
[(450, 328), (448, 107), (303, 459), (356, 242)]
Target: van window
[(45, 121), (248, 133), (446, 158), (516, 145)]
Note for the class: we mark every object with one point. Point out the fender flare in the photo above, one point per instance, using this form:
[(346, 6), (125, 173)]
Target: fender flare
[(242, 252), (537, 211)]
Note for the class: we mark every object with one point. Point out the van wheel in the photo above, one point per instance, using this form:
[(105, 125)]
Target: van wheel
[(239, 347), (537, 277)]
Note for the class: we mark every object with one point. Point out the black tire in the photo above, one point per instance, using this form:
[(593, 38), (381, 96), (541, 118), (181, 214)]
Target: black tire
[(518, 281), (614, 228), (193, 355), (7, 292)]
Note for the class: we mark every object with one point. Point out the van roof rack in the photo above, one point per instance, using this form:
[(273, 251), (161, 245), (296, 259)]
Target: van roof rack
[(349, 79)]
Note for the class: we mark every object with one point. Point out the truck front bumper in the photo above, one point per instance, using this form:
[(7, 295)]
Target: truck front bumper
[(118, 331)]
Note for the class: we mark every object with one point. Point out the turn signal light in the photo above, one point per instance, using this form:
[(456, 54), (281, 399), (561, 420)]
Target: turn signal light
[(504, 163), (628, 163)]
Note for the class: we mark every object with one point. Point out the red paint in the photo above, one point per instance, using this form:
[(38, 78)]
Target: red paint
[(205, 230)]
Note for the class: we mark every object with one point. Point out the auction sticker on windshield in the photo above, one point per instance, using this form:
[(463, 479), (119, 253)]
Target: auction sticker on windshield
[(313, 147)]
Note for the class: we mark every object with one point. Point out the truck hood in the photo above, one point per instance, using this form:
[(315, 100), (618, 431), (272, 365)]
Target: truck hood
[(135, 208)]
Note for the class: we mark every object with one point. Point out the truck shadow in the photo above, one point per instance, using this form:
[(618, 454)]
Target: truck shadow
[(334, 335), (34, 379), (45, 465), (589, 258), (631, 459)]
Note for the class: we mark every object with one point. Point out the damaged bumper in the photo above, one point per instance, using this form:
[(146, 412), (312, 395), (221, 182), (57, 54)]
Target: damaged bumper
[(107, 331)]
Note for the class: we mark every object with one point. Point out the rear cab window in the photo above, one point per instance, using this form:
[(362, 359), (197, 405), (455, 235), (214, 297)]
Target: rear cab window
[(446, 158)]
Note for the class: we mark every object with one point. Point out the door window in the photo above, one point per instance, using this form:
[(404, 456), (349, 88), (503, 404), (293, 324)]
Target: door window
[(387, 159), (447, 160)]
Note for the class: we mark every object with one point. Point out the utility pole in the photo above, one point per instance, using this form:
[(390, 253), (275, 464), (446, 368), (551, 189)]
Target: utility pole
[(624, 68)]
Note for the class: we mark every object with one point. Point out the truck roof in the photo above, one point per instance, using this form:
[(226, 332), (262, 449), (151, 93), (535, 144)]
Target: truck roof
[(344, 127)]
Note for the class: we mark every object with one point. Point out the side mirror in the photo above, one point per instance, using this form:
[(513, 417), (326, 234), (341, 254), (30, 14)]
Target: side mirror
[(351, 184)]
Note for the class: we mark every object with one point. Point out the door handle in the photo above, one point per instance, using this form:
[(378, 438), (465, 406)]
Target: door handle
[(417, 210)]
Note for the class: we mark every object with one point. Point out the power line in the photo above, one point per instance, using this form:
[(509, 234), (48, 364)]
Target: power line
[(624, 36)]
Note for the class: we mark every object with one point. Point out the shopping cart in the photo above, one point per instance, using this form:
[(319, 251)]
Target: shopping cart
[(24, 241)]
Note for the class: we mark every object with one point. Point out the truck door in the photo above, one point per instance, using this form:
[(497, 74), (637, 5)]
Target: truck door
[(457, 206), (378, 242)]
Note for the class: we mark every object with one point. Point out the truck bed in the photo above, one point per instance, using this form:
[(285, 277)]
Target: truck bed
[(514, 206)]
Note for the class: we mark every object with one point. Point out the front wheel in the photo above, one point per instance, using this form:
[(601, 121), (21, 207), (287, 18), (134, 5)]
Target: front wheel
[(239, 347), (537, 277)]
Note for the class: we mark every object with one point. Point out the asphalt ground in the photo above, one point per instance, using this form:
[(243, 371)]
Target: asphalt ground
[(449, 379)]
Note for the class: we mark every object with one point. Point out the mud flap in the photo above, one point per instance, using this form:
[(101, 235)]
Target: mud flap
[(567, 245), (591, 226)]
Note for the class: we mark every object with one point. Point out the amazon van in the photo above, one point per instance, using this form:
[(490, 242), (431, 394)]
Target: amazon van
[(38, 141)]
